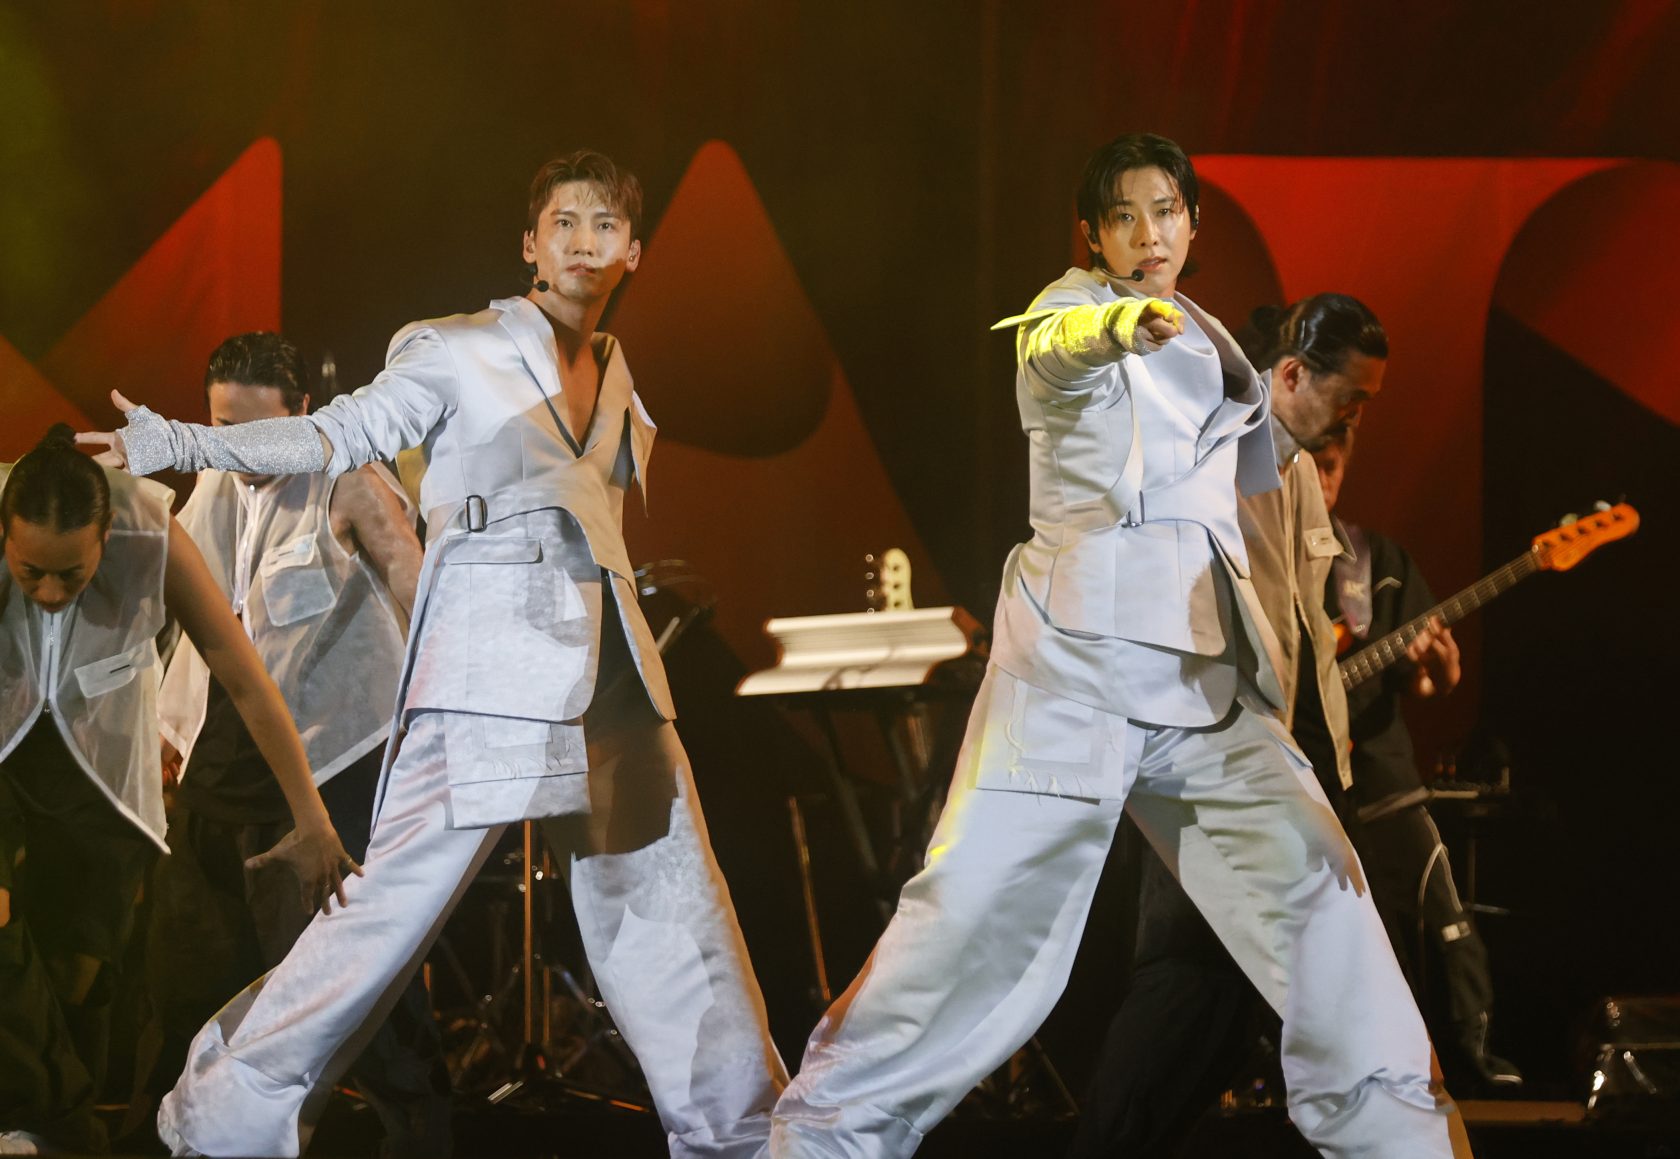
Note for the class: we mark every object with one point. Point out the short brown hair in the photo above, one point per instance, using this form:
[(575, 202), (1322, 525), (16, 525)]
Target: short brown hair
[(261, 358), (618, 188)]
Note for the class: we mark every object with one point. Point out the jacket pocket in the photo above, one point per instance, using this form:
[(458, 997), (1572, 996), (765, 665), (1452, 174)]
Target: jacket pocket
[(111, 673), (294, 587), (507, 632), (1322, 542)]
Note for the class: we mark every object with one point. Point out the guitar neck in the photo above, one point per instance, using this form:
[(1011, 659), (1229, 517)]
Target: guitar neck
[(1388, 651)]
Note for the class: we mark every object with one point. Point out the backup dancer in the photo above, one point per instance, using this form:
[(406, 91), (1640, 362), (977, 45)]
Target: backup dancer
[(95, 568)]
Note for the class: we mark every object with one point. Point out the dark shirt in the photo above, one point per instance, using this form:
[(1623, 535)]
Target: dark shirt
[(227, 778), (1383, 763)]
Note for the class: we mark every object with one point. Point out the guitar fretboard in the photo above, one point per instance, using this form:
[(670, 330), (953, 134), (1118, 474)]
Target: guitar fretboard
[(1391, 649)]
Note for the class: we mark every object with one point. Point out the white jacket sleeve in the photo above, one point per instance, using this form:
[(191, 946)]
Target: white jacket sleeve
[(397, 410)]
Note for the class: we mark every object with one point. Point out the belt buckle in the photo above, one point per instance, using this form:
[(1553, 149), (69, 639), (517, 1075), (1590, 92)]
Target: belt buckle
[(478, 514)]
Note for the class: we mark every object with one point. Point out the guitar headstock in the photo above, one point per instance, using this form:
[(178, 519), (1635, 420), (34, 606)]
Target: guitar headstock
[(1566, 546), (888, 578)]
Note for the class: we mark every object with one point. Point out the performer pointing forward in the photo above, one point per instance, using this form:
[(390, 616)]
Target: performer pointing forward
[(532, 687), (1130, 667)]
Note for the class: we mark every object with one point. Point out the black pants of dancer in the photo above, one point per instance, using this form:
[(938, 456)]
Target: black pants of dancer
[(1412, 884), (216, 925), (74, 867)]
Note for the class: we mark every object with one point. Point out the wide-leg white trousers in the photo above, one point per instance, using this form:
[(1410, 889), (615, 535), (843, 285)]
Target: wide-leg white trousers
[(656, 922), (985, 934)]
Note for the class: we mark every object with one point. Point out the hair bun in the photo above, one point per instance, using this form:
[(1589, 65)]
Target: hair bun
[(59, 437)]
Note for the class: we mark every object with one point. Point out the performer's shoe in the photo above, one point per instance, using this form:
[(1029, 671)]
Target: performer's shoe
[(1501, 1075), (22, 1143), (1495, 1076)]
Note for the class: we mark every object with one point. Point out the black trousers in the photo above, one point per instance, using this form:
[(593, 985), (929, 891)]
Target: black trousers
[(73, 866), (215, 926), (1412, 884), (1181, 1032)]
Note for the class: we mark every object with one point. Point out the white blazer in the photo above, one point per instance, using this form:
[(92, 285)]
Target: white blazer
[(1133, 593), (525, 530)]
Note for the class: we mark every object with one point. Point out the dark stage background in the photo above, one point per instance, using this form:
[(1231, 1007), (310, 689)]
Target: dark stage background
[(841, 198)]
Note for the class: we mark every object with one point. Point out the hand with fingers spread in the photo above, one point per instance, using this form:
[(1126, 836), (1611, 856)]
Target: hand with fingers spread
[(1435, 653), (318, 859), (115, 454)]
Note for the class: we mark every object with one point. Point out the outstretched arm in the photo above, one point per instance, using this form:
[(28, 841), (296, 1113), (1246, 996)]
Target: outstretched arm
[(395, 411), (1067, 354), (149, 442), (312, 847)]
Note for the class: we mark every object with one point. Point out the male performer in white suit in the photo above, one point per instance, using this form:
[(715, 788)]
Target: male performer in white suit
[(532, 687), (1130, 667)]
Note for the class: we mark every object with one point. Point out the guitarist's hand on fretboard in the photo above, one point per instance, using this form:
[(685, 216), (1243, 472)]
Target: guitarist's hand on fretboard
[(1435, 654)]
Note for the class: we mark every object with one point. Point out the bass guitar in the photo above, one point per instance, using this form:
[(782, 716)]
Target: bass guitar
[(1556, 550)]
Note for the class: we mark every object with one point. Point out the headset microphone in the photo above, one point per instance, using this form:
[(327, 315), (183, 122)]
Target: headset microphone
[(1136, 275)]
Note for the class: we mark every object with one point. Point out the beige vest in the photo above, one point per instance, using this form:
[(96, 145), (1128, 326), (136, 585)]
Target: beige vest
[(321, 619), (1290, 547), (94, 665)]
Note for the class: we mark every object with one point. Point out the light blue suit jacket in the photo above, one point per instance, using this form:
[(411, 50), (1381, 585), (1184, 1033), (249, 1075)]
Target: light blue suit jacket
[(1133, 593)]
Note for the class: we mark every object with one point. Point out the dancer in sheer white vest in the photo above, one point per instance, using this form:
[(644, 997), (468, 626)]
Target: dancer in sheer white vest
[(1131, 667), (95, 568), (532, 688)]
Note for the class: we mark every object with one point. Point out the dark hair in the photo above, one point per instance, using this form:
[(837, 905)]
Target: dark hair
[(56, 486), (261, 358), (1096, 200), (618, 188), (1322, 331)]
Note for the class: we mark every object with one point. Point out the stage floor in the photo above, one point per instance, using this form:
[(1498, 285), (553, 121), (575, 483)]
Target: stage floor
[(1498, 1130)]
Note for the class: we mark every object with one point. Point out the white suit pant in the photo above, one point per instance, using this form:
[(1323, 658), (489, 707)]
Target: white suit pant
[(984, 936), (653, 911)]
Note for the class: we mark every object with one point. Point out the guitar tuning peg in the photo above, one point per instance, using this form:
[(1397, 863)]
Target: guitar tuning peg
[(1601, 505), (1568, 519)]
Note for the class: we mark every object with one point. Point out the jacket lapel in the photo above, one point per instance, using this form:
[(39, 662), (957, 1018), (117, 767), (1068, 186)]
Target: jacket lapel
[(618, 396), (524, 323)]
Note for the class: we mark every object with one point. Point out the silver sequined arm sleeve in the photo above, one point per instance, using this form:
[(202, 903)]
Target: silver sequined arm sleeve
[(289, 446), (416, 391)]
